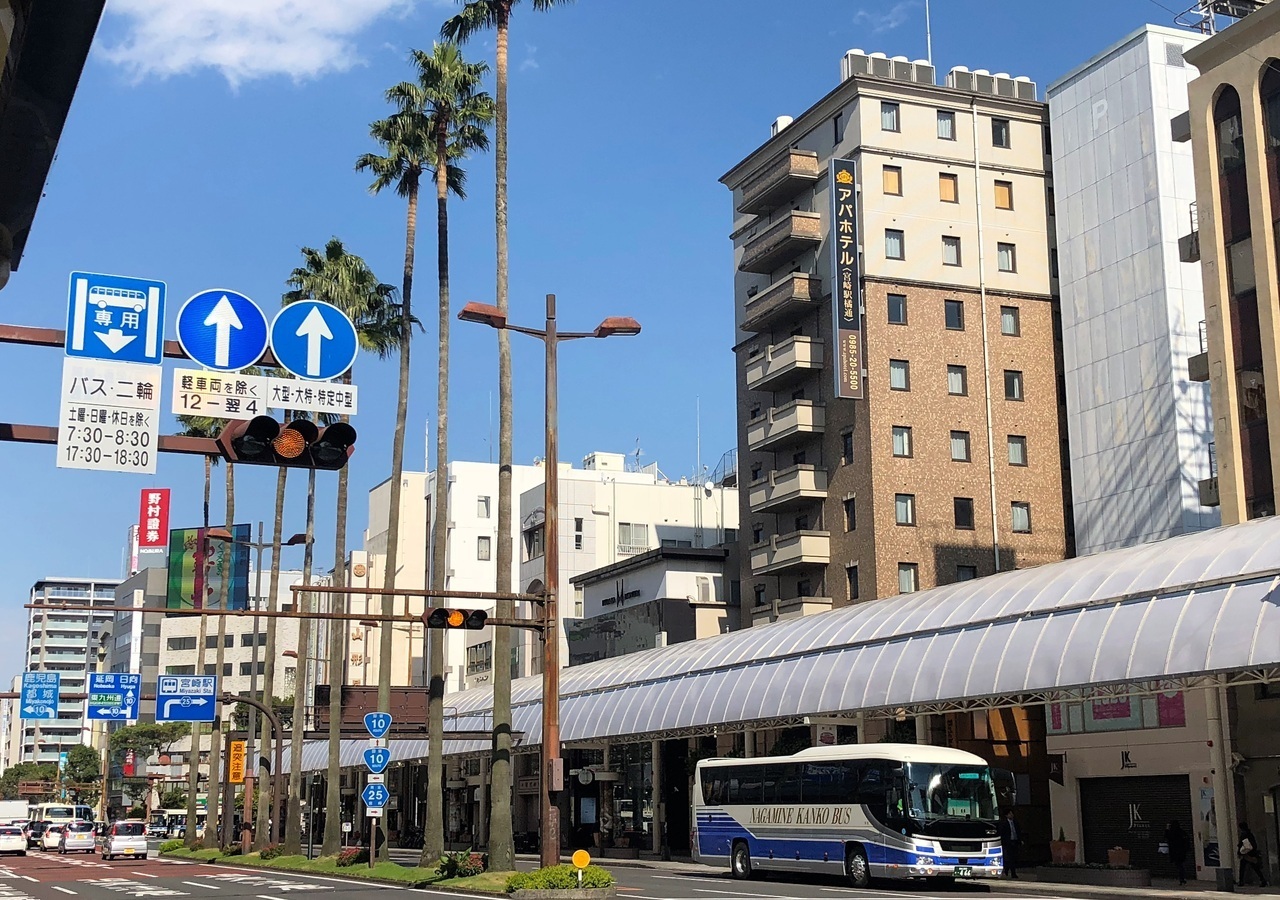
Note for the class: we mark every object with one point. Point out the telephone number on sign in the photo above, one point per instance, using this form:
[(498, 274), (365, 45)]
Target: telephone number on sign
[(121, 457), (121, 437)]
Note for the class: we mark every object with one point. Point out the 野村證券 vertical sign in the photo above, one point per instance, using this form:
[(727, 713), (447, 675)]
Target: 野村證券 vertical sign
[(846, 299), (153, 520)]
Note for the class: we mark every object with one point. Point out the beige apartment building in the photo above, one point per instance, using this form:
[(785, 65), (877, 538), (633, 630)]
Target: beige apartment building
[(950, 464)]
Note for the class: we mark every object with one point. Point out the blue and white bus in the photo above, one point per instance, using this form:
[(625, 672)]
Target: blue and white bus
[(866, 810)]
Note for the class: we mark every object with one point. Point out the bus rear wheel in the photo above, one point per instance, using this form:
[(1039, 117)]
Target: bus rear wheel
[(856, 867), (740, 861)]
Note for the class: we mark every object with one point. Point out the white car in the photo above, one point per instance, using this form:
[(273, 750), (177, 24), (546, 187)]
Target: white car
[(78, 835), (12, 840), (128, 839), (51, 837)]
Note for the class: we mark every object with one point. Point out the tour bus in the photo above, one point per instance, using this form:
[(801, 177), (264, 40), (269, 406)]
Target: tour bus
[(59, 812), (865, 810)]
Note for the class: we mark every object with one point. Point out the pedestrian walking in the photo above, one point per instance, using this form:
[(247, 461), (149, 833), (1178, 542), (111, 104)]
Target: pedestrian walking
[(1011, 841), (1250, 857), (1175, 842)]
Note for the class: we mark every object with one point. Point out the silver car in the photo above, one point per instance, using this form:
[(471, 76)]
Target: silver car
[(127, 839), (77, 835)]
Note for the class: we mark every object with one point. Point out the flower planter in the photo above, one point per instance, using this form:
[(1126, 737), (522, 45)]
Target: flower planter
[(1118, 856), (1062, 853)]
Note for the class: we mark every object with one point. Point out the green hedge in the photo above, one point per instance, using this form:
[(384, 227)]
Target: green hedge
[(170, 846), (559, 878)]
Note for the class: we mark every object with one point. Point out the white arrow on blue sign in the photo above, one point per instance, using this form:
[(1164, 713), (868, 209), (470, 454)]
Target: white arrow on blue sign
[(114, 317), (222, 330), (314, 340), (114, 696), (40, 692), (377, 723), (375, 796), (376, 759)]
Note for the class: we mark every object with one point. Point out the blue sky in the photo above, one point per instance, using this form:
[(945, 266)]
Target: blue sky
[(211, 139)]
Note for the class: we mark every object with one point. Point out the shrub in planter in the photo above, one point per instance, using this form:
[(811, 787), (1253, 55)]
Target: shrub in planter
[(171, 845), (559, 878), (271, 851), (460, 864), (352, 856), (231, 850)]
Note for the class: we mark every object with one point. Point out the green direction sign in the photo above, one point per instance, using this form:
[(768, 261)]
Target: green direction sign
[(107, 699)]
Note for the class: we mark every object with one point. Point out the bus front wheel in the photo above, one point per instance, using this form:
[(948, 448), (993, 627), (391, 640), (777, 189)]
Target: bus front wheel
[(856, 866), (740, 861)]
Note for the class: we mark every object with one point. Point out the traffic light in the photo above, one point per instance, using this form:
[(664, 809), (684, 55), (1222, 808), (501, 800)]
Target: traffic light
[(264, 441), (439, 617)]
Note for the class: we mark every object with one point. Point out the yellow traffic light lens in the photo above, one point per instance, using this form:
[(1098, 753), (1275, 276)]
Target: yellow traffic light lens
[(457, 618), (290, 443)]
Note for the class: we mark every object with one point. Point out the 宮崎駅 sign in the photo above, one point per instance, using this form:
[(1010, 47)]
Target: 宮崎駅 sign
[(846, 292), (115, 318), (40, 692), (109, 417), (114, 696), (186, 698), (219, 395)]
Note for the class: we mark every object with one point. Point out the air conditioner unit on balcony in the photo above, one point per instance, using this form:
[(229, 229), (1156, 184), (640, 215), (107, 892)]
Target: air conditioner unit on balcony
[(960, 78)]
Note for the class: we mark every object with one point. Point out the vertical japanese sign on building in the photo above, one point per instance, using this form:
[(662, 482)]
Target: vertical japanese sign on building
[(109, 418), (196, 567), (153, 521), (846, 301)]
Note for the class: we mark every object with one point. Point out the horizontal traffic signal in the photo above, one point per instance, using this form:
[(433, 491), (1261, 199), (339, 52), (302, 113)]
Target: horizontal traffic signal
[(264, 441), (440, 617)]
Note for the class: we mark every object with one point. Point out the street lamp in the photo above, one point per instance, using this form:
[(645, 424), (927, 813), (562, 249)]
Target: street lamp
[(552, 777)]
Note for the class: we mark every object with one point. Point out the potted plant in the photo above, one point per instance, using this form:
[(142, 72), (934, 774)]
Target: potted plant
[(1062, 851)]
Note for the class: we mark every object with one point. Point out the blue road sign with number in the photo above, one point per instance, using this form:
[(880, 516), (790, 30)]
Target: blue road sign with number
[(222, 330), (376, 759), (40, 695), (377, 723), (314, 340), (375, 796), (114, 317), (114, 696), (186, 698)]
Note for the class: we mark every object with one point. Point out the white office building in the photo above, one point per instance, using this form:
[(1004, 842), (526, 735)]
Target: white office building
[(1140, 429)]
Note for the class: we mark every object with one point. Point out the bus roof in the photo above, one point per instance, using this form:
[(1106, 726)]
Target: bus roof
[(905, 752)]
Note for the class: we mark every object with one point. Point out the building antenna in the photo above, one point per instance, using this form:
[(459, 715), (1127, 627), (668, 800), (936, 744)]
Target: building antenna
[(928, 34)]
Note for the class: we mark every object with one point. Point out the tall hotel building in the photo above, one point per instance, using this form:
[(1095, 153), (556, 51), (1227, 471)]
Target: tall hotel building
[(937, 455)]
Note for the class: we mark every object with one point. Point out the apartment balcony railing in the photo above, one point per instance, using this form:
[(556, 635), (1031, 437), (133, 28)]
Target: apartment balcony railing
[(791, 235), (782, 364), (790, 551), (788, 488), (782, 179), (781, 302), (632, 549), (787, 424), (1198, 365), (1189, 244)]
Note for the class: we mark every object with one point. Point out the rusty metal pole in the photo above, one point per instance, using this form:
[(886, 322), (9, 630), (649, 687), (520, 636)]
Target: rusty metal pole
[(551, 776)]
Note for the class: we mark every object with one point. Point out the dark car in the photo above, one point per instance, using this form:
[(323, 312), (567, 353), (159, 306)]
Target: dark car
[(35, 832)]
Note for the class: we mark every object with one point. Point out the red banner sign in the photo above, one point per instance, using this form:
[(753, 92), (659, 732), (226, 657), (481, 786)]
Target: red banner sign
[(153, 519)]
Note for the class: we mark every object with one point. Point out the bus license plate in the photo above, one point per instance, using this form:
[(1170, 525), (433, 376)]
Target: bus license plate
[(964, 872)]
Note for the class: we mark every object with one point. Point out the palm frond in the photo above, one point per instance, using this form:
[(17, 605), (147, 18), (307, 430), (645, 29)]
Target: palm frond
[(474, 17), (346, 281)]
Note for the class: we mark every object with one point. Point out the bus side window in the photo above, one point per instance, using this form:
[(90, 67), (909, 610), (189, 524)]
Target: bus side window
[(873, 787), (790, 784)]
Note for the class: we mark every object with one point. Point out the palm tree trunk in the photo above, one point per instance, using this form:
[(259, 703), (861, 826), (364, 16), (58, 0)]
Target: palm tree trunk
[(397, 467), (267, 799), (193, 763), (337, 669), (501, 843), (212, 837), (433, 832), (293, 821)]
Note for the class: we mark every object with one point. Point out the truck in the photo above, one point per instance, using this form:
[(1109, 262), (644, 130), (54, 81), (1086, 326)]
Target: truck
[(13, 811)]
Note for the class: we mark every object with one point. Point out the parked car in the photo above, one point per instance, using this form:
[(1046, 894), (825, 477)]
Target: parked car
[(12, 840), (34, 832), (127, 838), (52, 836), (78, 835)]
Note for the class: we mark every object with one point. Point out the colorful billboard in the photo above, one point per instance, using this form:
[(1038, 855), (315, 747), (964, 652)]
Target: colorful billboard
[(196, 569)]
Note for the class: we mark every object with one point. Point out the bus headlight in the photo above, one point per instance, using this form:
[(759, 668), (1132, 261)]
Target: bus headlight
[(924, 860)]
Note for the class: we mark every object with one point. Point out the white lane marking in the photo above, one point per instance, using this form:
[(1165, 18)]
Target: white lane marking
[(144, 874), (734, 893), (345, 882), (269, 897), (212, 887), (64, 890), (29, 878), (706, 878)]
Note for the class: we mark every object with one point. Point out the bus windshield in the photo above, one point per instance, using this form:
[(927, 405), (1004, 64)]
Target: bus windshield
[(942, 791)]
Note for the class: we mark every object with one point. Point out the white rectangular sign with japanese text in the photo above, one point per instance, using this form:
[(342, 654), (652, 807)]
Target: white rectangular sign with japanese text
[(312, 396), (218, 395), (109, 417)]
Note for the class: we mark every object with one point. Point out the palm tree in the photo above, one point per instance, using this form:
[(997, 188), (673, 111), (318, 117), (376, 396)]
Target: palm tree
[(293, 817), (211, 838), (476, 16), (267, 800), (346, 281)]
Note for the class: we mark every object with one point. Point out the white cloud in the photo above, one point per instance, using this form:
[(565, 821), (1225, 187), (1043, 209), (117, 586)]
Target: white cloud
[(886, 19), (530, 59), (243, 39)]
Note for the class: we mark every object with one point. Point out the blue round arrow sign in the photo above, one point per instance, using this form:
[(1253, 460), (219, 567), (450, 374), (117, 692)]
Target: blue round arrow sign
[(314, 340), (222, 330)]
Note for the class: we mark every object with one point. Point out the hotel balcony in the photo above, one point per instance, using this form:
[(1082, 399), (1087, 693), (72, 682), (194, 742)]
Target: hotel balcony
[(782, 364), (790, 423), (788, 237), (791, 551), (784, 300), (788, 175), (788, 488), (793, 608)]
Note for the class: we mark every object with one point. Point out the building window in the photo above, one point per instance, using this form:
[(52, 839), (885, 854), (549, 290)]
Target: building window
[(1017, 450), (246, 668), (1012, 385), (480, 658), (1006, 257), (246, 640), (966, 573), (949, 187), (798, 458), (535, 543), (946, 125), (959, 446), (851, 578), (804, 588), (758, 591), (290, 680), (483, 544), (837, 129), (904, 509), (1021, 519), (757, 469), (908, 578), (179, 670), (954, 310), (1004, 195), (580, 598), (846, 447), (757, 534), (482, 507), (957, 381), (897, 309), (632, 538), (1010, 323), (182, 643), (901, 440), (1000, 133), (894, 244), (889, 116), (577, 534), (899, 375), (211, 641), (950, 250), (850, 515), (892, 180), (964, 513)]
